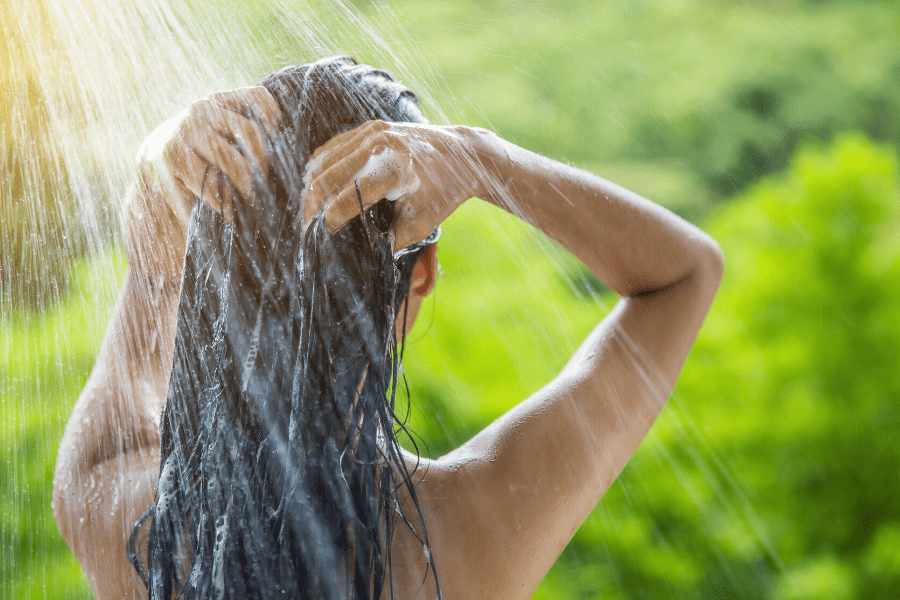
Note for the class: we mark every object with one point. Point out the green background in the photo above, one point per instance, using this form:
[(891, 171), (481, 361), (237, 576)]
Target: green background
[(773, 472)]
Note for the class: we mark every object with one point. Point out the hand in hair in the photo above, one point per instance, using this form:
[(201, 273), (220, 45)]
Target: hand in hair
[(216, 145), (428, 171)]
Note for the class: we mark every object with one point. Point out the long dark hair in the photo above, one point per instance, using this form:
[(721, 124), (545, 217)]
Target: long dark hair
[(279, 475)]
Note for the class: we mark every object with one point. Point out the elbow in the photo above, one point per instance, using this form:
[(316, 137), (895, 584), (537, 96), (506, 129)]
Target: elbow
[(716, 260), (62, 502), (710, 265)]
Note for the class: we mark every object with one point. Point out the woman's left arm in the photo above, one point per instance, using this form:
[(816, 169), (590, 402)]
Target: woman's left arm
[(502, 507), (520, 489)]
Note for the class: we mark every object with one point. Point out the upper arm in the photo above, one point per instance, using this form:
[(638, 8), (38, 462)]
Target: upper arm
[(106, 474), (513, 496), (108, 460)]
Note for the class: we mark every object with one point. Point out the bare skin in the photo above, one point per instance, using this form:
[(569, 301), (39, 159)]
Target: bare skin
[(501, 508)]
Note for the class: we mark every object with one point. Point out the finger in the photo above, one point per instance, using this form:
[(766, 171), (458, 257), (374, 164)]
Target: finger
[(219, 153), (256, 100), (328, 183), (247, 135), (363, 163), (176, 196), (226, 193), (344, 207), (211, 187), (324, 157), (185, 166), (361, 194)]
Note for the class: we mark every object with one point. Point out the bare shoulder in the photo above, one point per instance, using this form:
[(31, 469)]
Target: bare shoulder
[(461, 518), (436, 507), (502, 508)]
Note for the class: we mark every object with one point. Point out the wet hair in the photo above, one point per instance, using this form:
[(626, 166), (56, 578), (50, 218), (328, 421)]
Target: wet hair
[(280, 476)]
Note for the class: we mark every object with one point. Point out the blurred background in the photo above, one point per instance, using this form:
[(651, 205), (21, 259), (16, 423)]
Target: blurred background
[(774, 125)]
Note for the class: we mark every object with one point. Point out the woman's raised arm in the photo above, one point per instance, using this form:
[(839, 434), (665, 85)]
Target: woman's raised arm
[(108, 460), (502, 507), (528, 481)]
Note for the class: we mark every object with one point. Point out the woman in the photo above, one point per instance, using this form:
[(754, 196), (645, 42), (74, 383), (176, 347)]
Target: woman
[(486, 521)]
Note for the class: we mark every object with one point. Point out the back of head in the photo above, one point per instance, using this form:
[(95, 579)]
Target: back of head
[(279, 473)]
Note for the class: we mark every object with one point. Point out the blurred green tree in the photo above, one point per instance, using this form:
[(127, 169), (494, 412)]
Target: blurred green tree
[(806, 333), (776, 99)]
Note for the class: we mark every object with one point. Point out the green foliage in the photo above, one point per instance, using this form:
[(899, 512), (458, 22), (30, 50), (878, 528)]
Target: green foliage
[(44, 363), (724, 90), (809, 316), (33, 224), (810, 93), (35, 206)]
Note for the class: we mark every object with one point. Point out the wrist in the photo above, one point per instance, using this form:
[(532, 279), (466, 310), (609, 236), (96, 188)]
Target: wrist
[(492, 159)]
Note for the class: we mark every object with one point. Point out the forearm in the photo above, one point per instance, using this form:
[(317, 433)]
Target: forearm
[(633, 245)]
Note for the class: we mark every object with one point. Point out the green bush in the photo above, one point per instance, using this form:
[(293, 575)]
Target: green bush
[(805, 96), (805, 335)]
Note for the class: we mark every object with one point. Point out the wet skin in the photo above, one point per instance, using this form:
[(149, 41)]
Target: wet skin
[(501, 508)]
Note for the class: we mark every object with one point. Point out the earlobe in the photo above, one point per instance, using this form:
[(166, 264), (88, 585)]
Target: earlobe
[(425, 273)]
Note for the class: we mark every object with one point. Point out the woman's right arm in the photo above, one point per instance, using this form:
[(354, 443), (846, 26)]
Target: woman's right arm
[(108, 460)]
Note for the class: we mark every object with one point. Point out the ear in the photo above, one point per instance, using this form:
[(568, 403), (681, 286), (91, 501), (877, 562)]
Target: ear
[(425, 273)]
